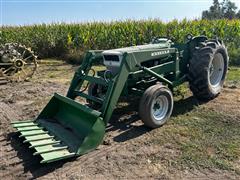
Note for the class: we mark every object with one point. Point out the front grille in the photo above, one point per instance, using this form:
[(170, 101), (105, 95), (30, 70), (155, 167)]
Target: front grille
[(111, 58)]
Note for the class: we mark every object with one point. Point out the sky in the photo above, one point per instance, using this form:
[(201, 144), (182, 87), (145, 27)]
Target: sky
[(27, 12)]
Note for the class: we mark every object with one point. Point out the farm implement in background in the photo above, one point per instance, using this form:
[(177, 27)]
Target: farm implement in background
[(67, 128), (17, 63)]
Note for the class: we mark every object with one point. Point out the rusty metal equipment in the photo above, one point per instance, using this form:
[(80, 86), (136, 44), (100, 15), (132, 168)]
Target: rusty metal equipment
[(17, 63)]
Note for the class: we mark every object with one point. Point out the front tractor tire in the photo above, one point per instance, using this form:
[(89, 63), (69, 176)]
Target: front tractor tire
[(156, 106), (207, 70)]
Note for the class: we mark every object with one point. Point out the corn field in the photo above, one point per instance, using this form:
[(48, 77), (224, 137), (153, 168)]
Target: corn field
[(58, 40)]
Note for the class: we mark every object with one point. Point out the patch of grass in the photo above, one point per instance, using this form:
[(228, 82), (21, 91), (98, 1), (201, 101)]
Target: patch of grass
[(181, 91), (55, 70), (206, 139), (214, 140), (233, 74), (50, 62)]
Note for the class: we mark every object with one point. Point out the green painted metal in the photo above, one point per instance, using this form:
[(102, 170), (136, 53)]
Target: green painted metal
[(67, 128), (63, 129), (95, 99), (154, 74)]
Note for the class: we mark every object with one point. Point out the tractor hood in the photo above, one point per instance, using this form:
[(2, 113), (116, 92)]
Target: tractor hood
[(164, 43)]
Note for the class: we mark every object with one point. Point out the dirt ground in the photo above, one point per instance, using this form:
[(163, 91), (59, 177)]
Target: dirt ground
[(129, 150)]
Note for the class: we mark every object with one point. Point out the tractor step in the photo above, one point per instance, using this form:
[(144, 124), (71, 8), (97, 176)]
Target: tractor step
[(47, 145)]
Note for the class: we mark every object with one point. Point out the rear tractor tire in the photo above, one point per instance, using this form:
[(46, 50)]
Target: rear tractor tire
[(207, 70), (156, 106)]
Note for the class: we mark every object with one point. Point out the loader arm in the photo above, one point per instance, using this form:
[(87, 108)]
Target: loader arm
[(115, 85)]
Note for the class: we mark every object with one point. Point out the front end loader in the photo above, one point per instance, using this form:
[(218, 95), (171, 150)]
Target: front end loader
[(67, 127)]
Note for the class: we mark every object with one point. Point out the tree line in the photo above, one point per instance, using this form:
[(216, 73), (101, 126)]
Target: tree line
[(222, 10)]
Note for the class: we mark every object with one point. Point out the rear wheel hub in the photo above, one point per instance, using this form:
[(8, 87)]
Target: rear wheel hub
[(216, 70), (19, 64)]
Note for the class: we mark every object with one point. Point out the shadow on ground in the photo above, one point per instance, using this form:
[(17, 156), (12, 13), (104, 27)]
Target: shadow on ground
[(126, 123), (31, 163), (184, 106)]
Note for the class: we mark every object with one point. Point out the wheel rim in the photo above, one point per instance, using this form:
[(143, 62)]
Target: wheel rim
[(216, 70), (159, 108), (21, 66)]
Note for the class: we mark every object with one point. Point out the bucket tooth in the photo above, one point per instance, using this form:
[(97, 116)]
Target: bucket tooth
[(38, 138), (21, 126), (20, 122), (38, 133), (56, 155), (32, 133), (47, 149), (26, 124), (21, 129), (44, 144)]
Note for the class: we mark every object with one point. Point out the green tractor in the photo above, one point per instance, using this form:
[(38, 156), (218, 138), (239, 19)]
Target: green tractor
[(66, 127)]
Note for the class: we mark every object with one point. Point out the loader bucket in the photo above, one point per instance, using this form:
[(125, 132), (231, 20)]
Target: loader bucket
[(63, 129)]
